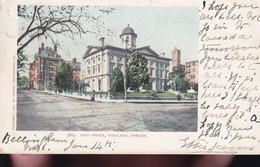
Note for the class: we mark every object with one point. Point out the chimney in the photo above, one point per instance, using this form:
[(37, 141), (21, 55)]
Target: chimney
[(42, 46), (74, 60), (162, 54), (102, 42), (40, 50), (55, 48)]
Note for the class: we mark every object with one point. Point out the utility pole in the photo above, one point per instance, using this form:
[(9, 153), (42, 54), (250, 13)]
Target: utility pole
[(125, 77)]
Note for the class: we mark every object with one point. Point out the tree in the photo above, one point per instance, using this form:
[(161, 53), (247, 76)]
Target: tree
[(181, 84), (195, 87), (165, 86), (83, 86), (177, 77), (64, 78), (22, 81), (21, 59), (148, 86), (117, 80), (50, 21), (177, 71), (138, 73)]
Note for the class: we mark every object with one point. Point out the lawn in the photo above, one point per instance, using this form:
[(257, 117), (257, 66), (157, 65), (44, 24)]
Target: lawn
[(144, 94), (189, 95), (165, 94), (132, 94)]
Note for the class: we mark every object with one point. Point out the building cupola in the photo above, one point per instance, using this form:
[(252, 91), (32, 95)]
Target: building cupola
[(128, 38)]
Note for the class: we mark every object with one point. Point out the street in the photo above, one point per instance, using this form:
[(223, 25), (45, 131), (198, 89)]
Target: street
[(45, 112)]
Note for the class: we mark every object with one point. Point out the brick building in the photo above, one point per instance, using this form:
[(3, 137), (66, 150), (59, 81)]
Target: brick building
[(191, 70), (43, 70), (176, 57)]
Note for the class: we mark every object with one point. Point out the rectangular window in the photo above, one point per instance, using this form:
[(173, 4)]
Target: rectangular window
[(98, 69), (151, 63), (157, 73), (151, 73), (111, 68), (94, 70), (98, 58)]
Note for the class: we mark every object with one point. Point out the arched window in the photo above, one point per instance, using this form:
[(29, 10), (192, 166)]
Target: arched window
[(127, 40)]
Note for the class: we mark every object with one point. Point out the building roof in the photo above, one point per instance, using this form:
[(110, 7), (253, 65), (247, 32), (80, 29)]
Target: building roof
[(146, 50), (72, 64), (192, 61), (128, 30), (48, 52)]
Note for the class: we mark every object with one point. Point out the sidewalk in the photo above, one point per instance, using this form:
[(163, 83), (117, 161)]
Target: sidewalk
[(97, 99)]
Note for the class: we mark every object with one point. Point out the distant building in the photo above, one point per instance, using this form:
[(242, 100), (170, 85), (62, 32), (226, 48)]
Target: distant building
[(176, 57), (99, 62), (43, 70), (191, 70)]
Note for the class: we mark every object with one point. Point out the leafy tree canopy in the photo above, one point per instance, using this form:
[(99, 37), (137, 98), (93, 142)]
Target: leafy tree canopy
[(177, 71), (21, 62), (22, 81), (181, 84), (195, 87), (64, 78), (117, 80), (138, 73), (177, 77)]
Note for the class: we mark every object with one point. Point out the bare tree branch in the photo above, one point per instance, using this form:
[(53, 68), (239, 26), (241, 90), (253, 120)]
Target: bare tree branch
[(30, 40), (65, 20)]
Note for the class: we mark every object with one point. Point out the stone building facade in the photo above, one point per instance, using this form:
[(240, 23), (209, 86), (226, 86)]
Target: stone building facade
[(99, 62), (191, 70)]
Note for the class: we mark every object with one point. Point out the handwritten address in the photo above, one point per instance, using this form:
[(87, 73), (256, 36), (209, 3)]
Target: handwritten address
[(45, 143)]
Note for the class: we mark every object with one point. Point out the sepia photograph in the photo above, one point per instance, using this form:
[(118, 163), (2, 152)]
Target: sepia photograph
[(107, 68)]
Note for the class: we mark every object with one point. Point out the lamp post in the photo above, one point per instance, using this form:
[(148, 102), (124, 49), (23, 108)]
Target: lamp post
[(125, 77)]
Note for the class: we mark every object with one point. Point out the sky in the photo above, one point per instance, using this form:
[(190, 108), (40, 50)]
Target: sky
[(161, 28)]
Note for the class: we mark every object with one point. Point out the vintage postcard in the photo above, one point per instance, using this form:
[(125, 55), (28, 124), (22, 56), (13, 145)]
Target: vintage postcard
[(130, 77)]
